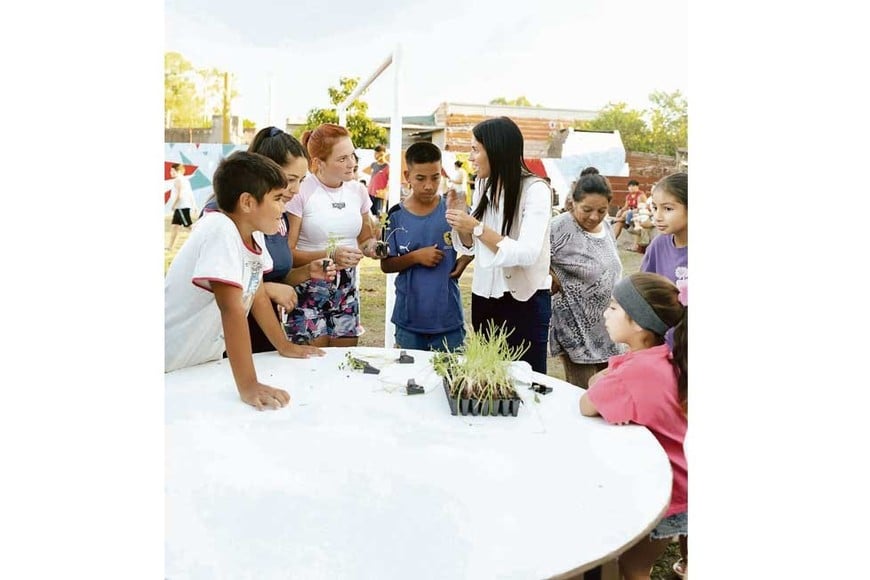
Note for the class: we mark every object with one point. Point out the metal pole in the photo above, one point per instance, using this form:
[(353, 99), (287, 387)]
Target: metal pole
[(342, 108), (394, 186), (226, 124)]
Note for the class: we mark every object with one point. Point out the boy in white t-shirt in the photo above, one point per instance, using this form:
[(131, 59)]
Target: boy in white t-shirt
[(216, 278)]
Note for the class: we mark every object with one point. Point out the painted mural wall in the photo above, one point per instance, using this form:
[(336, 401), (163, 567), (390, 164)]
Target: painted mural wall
[(200, 161)]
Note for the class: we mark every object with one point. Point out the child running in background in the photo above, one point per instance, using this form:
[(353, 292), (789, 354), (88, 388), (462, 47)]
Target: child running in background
[(668, 255), (216, 278), (182, 203), (648, 386), (428, 310)]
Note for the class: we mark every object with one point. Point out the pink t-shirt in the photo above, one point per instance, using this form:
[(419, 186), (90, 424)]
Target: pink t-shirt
[(641, 387)]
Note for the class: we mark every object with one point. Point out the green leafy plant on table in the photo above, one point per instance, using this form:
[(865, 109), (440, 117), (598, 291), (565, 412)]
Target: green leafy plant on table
[(478, 374)]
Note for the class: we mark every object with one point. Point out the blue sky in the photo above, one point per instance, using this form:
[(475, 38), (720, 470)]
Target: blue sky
[(578, 55)]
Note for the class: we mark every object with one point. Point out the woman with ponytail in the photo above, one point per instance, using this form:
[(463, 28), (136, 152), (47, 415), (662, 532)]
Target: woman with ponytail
[(648, 385)]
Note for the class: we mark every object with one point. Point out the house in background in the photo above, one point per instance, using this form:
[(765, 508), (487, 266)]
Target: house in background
[(449, 126)]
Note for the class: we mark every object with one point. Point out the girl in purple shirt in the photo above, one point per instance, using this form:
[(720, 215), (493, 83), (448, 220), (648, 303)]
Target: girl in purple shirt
[(668, 254)]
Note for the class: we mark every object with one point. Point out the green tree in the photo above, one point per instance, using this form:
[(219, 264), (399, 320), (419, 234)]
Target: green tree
[(213, 83), (661, 129), (629, 122), (192, 95), (520, 101), (364, 133), (669, 122), (183, 104)]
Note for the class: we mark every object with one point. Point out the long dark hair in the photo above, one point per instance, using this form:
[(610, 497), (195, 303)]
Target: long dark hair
[(676, 185), (503, 142), (664, 298), (277, 145)]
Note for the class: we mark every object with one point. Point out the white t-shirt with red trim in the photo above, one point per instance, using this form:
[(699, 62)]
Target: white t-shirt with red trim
[(213, 252)]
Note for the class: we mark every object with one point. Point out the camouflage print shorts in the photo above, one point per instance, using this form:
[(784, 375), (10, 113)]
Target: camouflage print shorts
[(326, 308)]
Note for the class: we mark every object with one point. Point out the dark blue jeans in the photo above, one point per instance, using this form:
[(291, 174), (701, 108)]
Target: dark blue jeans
[(376, 205), (529, 320), (418, 341)]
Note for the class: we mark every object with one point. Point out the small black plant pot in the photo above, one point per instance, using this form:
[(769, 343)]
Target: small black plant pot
[(382, 250), (454, 410)]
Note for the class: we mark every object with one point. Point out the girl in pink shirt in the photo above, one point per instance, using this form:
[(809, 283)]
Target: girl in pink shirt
[(648, 386)]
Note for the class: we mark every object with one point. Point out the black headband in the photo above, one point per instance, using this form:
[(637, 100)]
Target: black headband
[(639, 309)]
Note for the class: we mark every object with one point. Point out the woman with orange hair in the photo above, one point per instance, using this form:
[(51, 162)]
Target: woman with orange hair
[(329, 218)]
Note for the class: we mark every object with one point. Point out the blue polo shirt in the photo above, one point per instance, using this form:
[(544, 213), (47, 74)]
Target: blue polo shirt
[(427, 299)]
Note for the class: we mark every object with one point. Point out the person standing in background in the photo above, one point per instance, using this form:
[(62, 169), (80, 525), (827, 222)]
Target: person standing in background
[(372, 170), (459, 179), (182, 203)]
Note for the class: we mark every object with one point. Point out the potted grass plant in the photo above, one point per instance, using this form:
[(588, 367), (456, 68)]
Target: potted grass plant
[(331, 244), (382, 247), (477, 377)]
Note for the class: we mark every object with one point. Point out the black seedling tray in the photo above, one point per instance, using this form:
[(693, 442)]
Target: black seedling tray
[(484, 407)]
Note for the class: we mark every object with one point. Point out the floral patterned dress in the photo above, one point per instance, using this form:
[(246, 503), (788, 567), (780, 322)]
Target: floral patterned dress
[(588, 267)]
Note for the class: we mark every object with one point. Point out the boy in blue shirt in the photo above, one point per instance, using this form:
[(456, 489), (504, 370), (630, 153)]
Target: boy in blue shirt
[(428, 310)]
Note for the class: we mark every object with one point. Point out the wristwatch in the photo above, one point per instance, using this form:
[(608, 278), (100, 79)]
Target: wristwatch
[(478, 230)]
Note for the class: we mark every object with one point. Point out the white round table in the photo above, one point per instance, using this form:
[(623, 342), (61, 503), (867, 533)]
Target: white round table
[(357, 479)]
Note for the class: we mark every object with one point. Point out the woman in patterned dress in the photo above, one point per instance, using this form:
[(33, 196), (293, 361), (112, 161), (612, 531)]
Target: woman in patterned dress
[(585, 266)]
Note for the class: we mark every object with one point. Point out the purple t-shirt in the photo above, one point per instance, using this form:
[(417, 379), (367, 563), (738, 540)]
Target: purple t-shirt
[(662, 257)]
